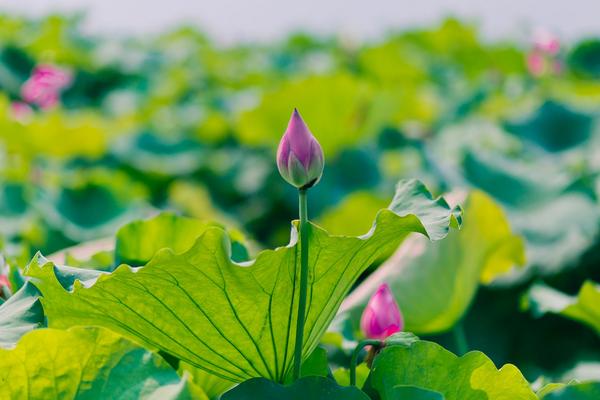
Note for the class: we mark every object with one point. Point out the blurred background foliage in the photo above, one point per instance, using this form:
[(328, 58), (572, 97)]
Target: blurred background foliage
[(176, 122)]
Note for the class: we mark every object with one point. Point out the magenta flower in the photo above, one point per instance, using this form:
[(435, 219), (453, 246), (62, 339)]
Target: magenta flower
[(546, 42), (382, 317), (299, 156), (536, 63), (44, 85)]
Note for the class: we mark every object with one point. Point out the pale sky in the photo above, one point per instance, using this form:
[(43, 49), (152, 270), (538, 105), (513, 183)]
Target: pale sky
[(229, 21)]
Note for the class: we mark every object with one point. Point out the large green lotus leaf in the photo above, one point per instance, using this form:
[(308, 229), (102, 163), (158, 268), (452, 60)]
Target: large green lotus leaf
[(20, 314), (572, 391), (235, 320), (585, 307), (85, 363), (429, 366), (312, 387), (435, 282)]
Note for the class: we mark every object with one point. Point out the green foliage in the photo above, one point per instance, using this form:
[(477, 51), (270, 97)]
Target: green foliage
[(212, 385), (22, 313), (434, 283), (585, 307), (266, 123), (406, 392), (313, 387), (85, 363), (344, 220), (137, 242), (429, 366), (546, 198), (236, 321), (181, 123), (585, 58), (572, 391)]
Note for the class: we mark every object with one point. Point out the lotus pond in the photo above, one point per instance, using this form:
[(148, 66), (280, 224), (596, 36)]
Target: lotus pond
[(412, 218)]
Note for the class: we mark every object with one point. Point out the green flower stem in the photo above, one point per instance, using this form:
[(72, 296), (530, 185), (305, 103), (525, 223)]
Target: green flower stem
[(303, 208), (353, 361), (462, 346)]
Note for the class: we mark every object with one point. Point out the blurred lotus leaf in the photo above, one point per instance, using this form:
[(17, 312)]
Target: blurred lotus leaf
[(585, 58), (15, 209), (92, 205), (348, 100), (585, 307), (153, 154), (554, 127), (557, 219), (571, 391)]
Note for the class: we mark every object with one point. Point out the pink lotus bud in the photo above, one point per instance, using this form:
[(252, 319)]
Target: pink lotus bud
[(44, 85), (299, 156), (382, 317)]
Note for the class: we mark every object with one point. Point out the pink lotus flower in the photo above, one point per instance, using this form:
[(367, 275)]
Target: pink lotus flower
[(299, 157), (20, 111), (546, 42), (44, 85), (536, 63), (382, 317)]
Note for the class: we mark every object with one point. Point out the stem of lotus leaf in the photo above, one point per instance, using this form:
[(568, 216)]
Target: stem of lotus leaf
[(462, 346), (303, 208), (354, 360)]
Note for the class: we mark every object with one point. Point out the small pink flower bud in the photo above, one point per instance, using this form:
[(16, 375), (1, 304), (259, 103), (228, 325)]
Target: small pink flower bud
[(299, 156), (382, 317)]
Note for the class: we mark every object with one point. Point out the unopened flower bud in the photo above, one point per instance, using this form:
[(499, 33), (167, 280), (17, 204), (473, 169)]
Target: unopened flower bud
[(299, 156), (382, 317)]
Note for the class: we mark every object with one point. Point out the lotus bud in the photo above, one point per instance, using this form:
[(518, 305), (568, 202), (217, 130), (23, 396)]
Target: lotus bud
[(382, 317), (299, 156)]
